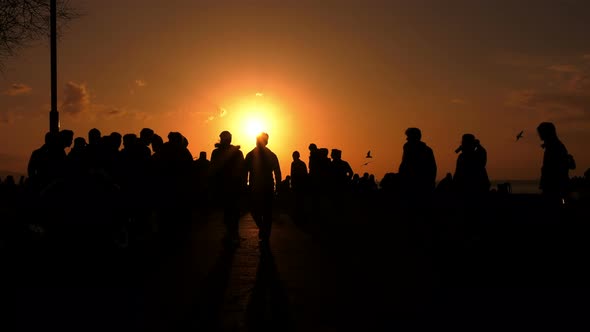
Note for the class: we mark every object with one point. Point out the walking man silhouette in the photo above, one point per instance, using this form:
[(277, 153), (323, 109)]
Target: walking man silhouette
[(261, 163), (226, 173)]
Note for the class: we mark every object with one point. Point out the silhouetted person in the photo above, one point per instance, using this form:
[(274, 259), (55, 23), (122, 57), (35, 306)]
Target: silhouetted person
[(417, 170), (372, 183), (144, 141), (298, 172), (47, 163), (200, 176), (390, 184), (299, 184), (116, 140), (175, 167), (157, 143), (76, 159), (323, 169), (145, 136), (227, 176), (341, 172), (313, 156), (471, 176), (556, 162), (261, 163), (94, 152), (284, 187), (67, 137), (202, 164), (445, 185)]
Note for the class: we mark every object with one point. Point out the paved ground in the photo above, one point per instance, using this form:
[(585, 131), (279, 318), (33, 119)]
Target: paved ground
[(204, 286), (360, 273), (294, 288)]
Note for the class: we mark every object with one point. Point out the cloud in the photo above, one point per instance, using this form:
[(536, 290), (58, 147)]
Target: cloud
[(560, 90), (556, 105), (458, 101), (109, 111), (259, 94), (222, 112), (76, 98), (140, 83), (18, 89), (563, 68)]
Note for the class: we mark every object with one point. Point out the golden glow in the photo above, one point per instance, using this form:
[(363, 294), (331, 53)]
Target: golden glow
[(254, 126), (255, 115), (248, 115)]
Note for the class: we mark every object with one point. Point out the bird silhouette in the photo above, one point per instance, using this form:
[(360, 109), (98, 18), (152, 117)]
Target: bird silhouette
[(369, 154), (519, 136), (365, 164)]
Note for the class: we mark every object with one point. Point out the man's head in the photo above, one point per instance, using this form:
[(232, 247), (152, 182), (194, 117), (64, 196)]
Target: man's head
[(468, 142), (413, 135), (175, 138), (146, 135), (336, 154), (67, 137), (116, 139), (94, 136), (129, 140), (546, 131), (296, 155), (79, 143), (225, 137), (157, 143), (262, 140), (202, 155)]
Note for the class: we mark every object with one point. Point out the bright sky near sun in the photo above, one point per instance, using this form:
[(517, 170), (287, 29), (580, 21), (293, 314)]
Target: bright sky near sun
[(346, 75)]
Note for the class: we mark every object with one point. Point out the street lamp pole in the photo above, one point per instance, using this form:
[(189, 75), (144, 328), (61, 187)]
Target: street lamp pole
[(53, 114)]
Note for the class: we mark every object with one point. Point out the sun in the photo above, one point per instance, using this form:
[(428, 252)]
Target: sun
[(248, 117), (254, 126)]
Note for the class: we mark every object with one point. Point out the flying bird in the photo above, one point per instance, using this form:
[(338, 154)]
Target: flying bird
[(365, 164), (519, 136), (369, 154)]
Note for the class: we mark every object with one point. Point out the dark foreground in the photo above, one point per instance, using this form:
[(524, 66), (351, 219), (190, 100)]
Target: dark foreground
[(512, 264)]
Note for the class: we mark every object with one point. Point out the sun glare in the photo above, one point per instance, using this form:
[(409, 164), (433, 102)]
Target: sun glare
[(248, 117), (254, 126)]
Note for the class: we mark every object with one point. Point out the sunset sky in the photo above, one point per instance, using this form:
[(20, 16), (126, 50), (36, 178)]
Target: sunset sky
[(351, 75)]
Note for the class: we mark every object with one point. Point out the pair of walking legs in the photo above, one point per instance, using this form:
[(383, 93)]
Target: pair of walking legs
[(262, 214)]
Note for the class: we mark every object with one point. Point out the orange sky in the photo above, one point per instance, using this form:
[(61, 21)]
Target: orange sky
[(346, 75)]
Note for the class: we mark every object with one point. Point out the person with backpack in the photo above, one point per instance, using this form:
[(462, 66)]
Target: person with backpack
[(556, 163)]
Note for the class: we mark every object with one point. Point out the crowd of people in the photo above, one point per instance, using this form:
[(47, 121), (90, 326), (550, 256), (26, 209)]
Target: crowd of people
[(152, 186)]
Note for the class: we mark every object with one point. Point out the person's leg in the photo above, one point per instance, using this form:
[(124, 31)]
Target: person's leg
[(256, 210), (231, 218), (266, 224)]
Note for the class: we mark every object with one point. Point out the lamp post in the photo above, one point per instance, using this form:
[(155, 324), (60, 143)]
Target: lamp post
[(53, 114)]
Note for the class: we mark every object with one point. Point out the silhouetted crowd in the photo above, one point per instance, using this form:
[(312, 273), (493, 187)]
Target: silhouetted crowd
[(143, 186)]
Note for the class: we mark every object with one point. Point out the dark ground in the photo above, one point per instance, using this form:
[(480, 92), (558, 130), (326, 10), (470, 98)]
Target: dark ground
[(510, 265)]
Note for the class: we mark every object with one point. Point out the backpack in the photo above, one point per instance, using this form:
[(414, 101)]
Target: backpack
[(571, 162)]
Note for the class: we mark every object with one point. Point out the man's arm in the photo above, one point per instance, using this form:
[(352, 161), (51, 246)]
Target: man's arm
[(349, 171), (277, 171)]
